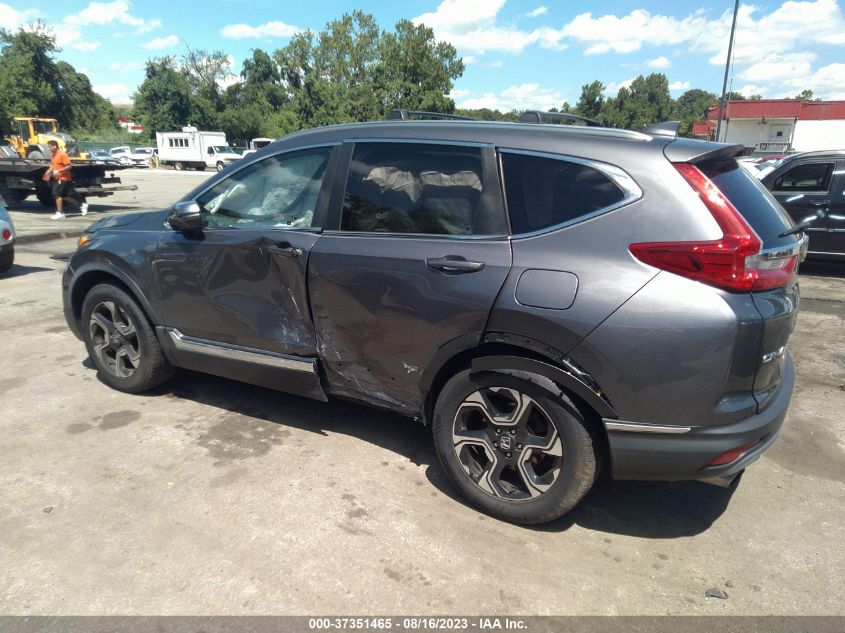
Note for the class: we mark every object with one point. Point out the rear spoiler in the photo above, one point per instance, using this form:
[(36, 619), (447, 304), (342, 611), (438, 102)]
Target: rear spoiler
[(685, 150)]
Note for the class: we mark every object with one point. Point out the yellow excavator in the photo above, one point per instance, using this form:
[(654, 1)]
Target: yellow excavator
[(32, 135)]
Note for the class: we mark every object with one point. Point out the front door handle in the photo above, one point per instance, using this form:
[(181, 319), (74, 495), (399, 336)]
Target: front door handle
[(820, 203), (285, 250), (450, 265)]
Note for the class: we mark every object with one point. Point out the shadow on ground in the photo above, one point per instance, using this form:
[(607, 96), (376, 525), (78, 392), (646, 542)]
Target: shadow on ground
[(654, 510), (19, 271)]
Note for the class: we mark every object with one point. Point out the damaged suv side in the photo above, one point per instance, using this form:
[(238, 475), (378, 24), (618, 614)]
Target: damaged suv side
[(550, 299)]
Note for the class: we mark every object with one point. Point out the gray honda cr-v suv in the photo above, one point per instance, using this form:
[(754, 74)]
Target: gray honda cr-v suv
[(552, 300)]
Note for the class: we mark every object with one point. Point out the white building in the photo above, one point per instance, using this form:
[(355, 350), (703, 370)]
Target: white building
[(778, 125)]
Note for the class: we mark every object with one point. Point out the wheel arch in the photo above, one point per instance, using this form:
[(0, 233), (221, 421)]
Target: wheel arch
[(517, 353), (91, 275)]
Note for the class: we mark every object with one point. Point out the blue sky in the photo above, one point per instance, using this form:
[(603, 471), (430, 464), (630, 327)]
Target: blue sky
[(518, 53)]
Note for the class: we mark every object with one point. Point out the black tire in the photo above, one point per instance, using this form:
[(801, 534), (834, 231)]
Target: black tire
[(7, 257), (45, 195), (220, 166), (178, 166), (526, 481), (120, 341)]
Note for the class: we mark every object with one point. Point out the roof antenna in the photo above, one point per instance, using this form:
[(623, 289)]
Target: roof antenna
[(727, 68)]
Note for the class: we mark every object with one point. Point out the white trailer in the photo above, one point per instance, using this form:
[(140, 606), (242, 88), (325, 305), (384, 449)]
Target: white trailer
[(192, 148)]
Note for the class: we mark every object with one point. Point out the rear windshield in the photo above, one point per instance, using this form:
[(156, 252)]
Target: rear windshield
[(752, 200)]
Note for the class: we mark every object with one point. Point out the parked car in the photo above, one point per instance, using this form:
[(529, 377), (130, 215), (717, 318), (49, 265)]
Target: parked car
[(101, 156), (552, 300), (7, 239), (120, 153), (141, 156), (811, 187)]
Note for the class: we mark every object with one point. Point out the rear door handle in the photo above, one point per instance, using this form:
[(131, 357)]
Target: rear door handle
[(449, 265), (820, 203), (285, 250)]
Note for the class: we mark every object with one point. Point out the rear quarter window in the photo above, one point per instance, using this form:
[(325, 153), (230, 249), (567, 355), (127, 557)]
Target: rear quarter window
[(543, 192), (752, 200)]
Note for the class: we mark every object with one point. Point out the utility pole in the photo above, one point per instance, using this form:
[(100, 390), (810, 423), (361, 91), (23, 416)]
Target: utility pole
[(727, 70)]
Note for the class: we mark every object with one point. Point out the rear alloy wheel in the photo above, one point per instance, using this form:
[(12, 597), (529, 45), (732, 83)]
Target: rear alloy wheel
[(513, 445), (178, 166), (121, 342), (220, 166)]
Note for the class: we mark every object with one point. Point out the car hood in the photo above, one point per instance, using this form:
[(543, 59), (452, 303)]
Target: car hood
[(141, 221)]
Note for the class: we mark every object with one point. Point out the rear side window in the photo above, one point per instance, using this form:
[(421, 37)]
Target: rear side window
[(808, 177), (752, 200), (543, 191), (418, 188)]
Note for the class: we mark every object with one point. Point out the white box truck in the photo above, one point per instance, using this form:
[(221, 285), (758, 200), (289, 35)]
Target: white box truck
[(192, 148)]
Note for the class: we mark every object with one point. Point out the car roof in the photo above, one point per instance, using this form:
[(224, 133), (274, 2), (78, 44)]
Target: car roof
[(827, 153)]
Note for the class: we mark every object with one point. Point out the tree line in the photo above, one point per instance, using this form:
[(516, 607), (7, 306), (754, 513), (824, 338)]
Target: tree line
[(350, 71)]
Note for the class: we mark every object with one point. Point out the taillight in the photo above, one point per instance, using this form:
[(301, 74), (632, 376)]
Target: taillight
[(7, 234), (734, 262)]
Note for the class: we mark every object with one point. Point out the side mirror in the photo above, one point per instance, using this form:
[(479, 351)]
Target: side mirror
[(186, 217)]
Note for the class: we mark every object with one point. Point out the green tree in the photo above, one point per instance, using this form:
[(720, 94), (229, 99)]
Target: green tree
[(591, 100), (29, 78), (164, 101), (415, 71), (646, 102), (807, 95), (691, 107)]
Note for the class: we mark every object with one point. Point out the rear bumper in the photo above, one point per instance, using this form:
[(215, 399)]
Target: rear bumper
[(667, 453)]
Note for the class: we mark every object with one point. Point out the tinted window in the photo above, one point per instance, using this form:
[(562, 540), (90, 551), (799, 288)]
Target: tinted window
[(808, 177), (752, 200), (277, 192), (416, 188), (544, 192)]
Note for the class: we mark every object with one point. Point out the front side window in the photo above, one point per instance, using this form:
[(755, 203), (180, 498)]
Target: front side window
[(277, 192), (807, 177), (416, 188), (542, 192)]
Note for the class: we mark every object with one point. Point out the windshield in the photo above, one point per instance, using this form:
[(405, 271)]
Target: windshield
[(223, 149), (43, 127)]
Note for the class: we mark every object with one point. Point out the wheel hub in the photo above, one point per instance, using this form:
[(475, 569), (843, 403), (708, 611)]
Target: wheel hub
[(507, 443)]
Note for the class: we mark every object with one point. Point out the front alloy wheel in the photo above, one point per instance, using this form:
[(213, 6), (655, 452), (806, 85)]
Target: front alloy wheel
[(114, 339), (121, 342)]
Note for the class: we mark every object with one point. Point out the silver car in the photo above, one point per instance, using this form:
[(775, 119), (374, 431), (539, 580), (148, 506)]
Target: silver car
[(7, 239)]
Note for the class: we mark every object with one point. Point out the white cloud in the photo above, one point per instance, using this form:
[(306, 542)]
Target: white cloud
[(104, 13), (659, 62), (457, 93), (469, 59), (614, 87), (537, 12), (751, 89), (266, 30), (11, 18), (470, 26), (627, 34), (86, 46), (116, 93), (527, 96), (161, 42), (679, 85), (495, 64)]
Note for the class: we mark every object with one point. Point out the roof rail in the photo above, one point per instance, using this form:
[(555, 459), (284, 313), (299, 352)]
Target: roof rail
[(535, 116), (405, 115), (665, 128)]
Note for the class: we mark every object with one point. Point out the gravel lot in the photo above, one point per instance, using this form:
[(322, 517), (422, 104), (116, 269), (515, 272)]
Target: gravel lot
[(213, 497)]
